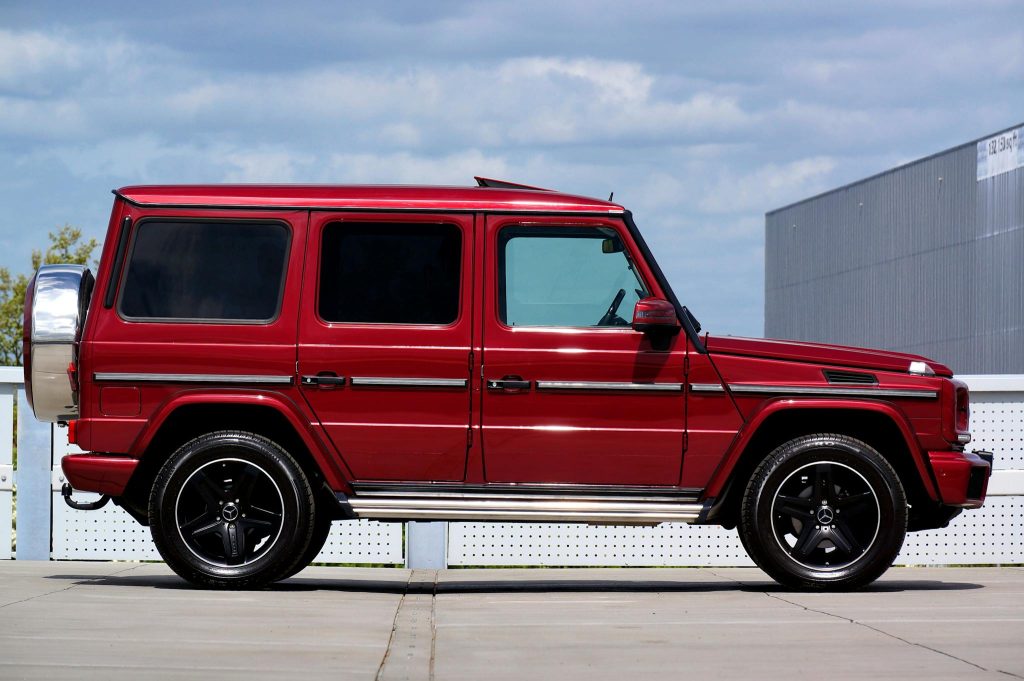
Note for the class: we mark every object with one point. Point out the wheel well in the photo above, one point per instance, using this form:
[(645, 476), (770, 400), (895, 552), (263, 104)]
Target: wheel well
[(875, 429), (190, 421)]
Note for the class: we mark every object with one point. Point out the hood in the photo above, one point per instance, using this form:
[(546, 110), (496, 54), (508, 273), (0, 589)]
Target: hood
[(819, 353)]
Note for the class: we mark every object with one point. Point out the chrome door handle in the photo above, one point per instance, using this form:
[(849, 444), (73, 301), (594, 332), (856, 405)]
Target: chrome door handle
[(508, 383), (324, 379)]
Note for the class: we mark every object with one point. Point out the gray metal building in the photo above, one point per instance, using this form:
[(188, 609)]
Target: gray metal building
[(925, 258)]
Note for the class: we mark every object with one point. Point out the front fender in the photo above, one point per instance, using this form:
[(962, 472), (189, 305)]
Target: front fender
[(724, 471)]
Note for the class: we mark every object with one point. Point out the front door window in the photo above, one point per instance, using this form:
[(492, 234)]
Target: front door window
[(578, 277)]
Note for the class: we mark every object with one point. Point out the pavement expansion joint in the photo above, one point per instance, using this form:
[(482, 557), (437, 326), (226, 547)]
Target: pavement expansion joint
[(75, 583), (890, 635), (412, 644)]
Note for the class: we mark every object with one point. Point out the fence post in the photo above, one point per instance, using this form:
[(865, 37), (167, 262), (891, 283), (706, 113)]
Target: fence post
[(35, 456), (7, 392), (426, 545)]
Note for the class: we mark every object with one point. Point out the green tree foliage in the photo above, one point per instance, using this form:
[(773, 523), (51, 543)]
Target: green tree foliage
[(66, 246)]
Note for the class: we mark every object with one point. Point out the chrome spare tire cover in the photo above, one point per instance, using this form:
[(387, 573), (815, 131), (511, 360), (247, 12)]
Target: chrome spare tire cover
[(60, 296)]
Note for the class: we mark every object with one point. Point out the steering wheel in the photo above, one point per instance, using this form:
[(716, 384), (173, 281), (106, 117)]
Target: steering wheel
[(610, 318)]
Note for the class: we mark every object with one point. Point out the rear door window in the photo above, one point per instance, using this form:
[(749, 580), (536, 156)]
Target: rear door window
[(390, 273), (205, 271)]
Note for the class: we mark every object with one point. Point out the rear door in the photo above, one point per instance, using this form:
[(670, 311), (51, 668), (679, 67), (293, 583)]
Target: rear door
[(385, 338), (572, 394)]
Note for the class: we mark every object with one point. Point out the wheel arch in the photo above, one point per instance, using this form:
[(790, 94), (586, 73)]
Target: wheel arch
[(186, 417), (877, 424)]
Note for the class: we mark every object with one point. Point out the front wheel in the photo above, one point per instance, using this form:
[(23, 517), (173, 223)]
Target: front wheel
[(232, 510), (824, 511)]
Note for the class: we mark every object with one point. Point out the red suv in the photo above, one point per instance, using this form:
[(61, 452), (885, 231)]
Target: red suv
[(255, 362)]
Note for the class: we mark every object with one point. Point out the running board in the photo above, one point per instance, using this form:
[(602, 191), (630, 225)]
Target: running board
[(535, 508)]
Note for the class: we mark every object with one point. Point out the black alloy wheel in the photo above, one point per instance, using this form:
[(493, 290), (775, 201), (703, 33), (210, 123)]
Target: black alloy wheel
[(824, 511), (229, 512), (825, 515), (232, 510)]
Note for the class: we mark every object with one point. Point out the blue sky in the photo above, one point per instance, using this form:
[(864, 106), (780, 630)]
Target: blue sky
[(699, 116)]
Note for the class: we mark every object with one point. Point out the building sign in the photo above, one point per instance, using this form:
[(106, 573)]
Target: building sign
[(1000, 154)]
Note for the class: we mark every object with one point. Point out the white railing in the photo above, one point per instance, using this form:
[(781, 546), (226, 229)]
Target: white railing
[(47, 528)]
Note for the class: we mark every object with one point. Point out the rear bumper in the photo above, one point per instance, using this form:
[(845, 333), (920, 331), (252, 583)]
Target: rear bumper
[(98, 473), (962, 478)]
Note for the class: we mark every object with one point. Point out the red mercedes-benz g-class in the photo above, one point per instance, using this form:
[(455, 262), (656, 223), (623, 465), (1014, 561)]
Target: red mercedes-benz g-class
[(251, 363)]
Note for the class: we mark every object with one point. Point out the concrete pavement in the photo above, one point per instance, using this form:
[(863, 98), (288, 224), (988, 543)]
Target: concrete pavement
[(129, 620)]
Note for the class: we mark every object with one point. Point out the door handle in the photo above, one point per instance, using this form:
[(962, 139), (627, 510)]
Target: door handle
[(510, 383), (325, 379)]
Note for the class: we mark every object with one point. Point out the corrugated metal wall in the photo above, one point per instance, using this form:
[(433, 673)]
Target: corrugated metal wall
[(924, 258)]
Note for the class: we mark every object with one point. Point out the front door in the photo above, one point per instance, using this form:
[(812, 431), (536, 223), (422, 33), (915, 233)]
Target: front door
[(384, 341), (572, 394)]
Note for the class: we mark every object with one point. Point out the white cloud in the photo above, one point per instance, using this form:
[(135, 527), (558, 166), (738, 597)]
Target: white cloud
[(769, 186)]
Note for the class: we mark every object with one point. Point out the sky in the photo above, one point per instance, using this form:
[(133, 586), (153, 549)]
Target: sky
[(699, 116)]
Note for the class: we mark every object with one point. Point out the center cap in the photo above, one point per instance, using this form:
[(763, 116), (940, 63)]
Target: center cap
[(825, 515), (230, 512)]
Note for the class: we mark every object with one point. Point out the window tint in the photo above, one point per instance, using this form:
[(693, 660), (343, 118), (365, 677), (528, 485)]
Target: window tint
[(206, 271), (384, 273), (566, 277)]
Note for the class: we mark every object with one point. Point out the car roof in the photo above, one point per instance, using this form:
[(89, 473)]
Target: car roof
[(496, 196)]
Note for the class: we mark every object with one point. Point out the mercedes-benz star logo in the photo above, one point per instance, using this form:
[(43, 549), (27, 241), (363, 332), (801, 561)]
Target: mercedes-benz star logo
[(825, 515), (230, 512)]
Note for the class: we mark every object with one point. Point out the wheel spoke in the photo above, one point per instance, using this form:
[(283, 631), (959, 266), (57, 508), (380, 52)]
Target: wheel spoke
[(236, 544), (206, 529), (211, 493), (245, 484), (225, 539), (257, 513), (856, 503), (810, 537), (201, 518), (845, 540), (824, 488), (796, 507), (258, 528)]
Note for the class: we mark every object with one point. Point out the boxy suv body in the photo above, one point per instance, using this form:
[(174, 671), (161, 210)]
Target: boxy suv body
[(252, 363)]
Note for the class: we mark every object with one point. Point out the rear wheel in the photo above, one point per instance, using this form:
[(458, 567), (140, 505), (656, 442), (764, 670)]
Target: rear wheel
[(824, 511), (232, 510)]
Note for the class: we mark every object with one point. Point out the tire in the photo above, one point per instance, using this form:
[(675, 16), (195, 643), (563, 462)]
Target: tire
[(792, 521), (231, 510), (321, 529)]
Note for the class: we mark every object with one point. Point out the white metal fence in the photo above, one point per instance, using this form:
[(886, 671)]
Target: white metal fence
[(992, 535)]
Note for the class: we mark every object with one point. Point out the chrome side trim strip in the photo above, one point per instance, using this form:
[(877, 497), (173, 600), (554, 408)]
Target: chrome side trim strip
[(607, 385), (409, 382), (831, 391), (707, 388), (191, 378), (565, 510)]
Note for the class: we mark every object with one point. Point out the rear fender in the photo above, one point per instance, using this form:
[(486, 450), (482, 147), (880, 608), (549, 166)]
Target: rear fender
[(335, 474)]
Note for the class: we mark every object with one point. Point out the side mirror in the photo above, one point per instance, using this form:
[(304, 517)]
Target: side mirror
[(655, 314)]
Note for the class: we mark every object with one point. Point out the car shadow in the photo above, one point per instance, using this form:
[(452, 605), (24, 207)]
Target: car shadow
[(517, 584)]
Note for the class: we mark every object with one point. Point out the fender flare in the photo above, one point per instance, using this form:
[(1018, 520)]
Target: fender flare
[(723, 473), (335, 473)]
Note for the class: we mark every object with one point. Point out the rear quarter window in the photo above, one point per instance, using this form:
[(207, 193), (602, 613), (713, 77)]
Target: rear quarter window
[(205, 271)]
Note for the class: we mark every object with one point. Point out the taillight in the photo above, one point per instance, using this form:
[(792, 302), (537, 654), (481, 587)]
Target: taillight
[(72, 432), (963, 409)]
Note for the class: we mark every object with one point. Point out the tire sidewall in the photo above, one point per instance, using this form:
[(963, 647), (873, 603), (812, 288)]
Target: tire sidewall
[(279, 466), (862, 459)]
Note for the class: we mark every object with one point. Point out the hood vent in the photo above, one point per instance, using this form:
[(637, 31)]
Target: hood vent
[(849, 377)]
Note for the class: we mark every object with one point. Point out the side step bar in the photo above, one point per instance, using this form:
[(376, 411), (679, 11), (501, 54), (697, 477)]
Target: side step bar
[(536, 508)]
